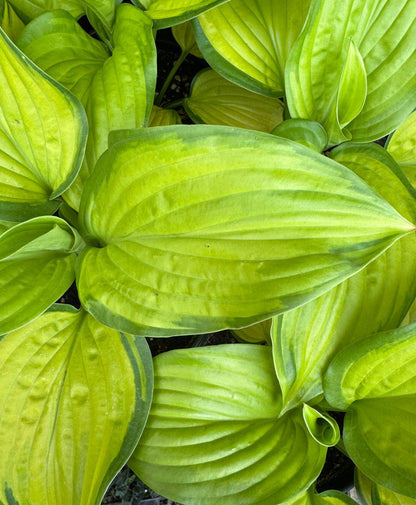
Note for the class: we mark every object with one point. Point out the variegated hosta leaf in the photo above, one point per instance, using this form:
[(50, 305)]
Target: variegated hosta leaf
[(371, 493), (248, 41), (321, 426), (197, 228), (10, 22), (42, 137), (254, 334), (30, 9), (215, 434), (117, 91), (74, 398), (375, 381), (342, 41), (306, 339), (173, 12), (214, 100), (308, 133), (402, 146), (185, 37), (37, 260), (163, 117)]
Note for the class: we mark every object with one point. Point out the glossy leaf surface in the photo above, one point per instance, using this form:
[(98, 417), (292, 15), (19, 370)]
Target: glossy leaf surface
[(42, 137), (308, 133), (382, 33), (214, 433), (248, 42), (367, 488), (117, 91), (202, 227), (172, 12), (74, 399), (306, 339), (37, 266), (214, 100)]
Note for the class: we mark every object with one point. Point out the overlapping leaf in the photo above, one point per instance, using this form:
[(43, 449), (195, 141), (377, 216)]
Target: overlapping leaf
[(30, 9), (74, 399), (37, 260), (256, 333), (42, 137), (248, 42), (323, 67), (375, 381), (214, 100), (117, 91), (172, 12), (185, 37), (163, 117), (402, 146), (198, 228), (305, 339), (371, 493), (325, 498), (214, 433), (308, 133), (9, 20)]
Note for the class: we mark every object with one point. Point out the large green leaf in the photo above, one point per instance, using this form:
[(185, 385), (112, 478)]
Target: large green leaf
[(305, 339), (215, 434), (248, 41), (117, 92), (343, 40), (42, 137), (214, 100), (197, 228), (74, 400), (30, 9), (173, 12), (375, 381), (37, 260), (402, 146)]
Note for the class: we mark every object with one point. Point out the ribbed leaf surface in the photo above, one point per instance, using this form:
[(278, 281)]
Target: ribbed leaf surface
[(163, 117), (402, 146), (201, 228), (74, 397), (30, 9), (214, 433), (37, 260), (366, 489), (305, 339), (117, 91), (214, 100), (42, 137), (248, 42)]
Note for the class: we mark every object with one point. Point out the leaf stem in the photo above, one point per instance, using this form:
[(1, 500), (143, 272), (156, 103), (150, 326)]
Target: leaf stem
[(171, 75)]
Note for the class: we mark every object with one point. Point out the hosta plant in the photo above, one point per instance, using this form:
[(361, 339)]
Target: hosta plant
[(277, 217)]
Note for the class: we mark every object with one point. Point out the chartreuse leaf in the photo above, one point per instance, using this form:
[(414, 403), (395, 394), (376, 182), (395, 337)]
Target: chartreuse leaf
[(248, 42), (310, 497), (163, 117), (30, 9), (402, 146), (254, 334), (389, 59), (215, 434), (74, 400), (375, 382), (60, 47), (322, 427), (101, 15), (42, 137), (308, 133), (306, 339), (371, 493), (10, 22), (173, 12), (185, 37), (194, 229), (37, 261), (214, 100), (117, 91), (342, 41)]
